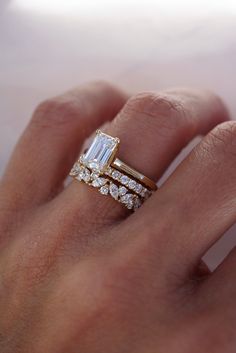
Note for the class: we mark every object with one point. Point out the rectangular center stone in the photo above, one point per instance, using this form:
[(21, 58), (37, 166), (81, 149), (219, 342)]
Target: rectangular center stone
[(100, 152)]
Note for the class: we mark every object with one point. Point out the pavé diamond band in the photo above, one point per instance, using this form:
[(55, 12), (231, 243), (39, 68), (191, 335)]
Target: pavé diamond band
[(123, 167), (100, 168), (107, 186)]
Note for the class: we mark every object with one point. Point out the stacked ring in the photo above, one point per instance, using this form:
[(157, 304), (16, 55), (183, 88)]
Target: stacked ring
[(99, 168)]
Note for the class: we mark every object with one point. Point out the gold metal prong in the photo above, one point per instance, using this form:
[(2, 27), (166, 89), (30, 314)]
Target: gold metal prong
[(117, 140)]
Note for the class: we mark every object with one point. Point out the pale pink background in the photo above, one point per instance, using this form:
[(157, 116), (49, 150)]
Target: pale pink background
[(49, 46)]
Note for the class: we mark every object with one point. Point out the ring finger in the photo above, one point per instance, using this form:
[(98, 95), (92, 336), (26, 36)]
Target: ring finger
[(153, 128)]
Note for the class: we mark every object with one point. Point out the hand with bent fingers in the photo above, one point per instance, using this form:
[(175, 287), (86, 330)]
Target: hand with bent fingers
[(81, 273)]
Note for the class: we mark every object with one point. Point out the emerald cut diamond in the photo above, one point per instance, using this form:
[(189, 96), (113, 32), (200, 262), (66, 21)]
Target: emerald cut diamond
[(101, 151)]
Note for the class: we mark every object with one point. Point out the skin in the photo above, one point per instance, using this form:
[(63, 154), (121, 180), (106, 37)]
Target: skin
[(80, 273)]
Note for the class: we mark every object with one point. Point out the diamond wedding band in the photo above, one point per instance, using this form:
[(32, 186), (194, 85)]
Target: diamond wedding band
[(99, 168)]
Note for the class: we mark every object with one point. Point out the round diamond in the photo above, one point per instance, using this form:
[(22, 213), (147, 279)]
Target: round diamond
[(138, 188), (125, 180), (108, 171), (137, 203), (143, 192), (99, 182), (116, 175), (95, 175), (122, 190), (104, 190), (80, 175), (126, 198), (84, 175), (93, 165), (130, 205), (132, 184)]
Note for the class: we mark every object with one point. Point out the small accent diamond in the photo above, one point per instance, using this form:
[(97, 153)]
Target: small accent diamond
[(95, 175), (108, 171), (138, 188), (132, 184), (104, 190), (126, 198), (80, 175), (125, 180), (99, 182), (114, 191), (116, 175), (122, 190), (143, 192), (137, 203), (93, 165), (76, 169), (84, 175), (130, 204)]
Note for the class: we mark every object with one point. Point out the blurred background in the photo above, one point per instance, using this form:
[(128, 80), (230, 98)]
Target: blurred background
[(48, 46)]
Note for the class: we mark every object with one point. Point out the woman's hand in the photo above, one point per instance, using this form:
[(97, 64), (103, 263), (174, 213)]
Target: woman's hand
[(78, 272)]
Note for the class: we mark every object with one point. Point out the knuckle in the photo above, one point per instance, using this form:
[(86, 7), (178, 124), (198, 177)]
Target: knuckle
[(66, 109), (59, 111), (141, 101), (104, 86), (160, 110), (223, 137)]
